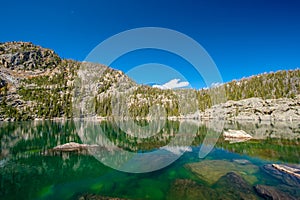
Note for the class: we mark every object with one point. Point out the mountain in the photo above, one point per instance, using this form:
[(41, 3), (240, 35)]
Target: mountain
[(36, 83)]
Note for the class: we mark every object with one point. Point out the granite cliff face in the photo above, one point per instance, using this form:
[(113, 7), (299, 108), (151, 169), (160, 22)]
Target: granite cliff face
[(256, 109), (26, 56)]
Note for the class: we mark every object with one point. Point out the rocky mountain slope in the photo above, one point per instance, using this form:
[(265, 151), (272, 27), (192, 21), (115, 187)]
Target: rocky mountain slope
[(36, 83)]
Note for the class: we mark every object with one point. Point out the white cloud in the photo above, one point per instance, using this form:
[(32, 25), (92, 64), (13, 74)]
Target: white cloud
[(172, 84)]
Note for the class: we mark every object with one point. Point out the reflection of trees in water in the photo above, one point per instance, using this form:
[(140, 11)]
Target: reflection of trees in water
[(23, 139), (128, 153), (276, 142), (264, 130), (107, 132), (22, 145), (32, 137), (129, 142), (29, 176)]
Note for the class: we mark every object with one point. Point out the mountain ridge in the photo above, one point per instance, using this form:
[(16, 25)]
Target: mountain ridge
[(36, 83)]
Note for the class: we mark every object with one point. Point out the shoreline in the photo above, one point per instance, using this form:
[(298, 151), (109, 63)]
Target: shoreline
[(251, 109)]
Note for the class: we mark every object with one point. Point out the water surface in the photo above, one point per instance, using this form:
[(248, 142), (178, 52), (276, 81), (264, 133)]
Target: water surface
[(203, 160)]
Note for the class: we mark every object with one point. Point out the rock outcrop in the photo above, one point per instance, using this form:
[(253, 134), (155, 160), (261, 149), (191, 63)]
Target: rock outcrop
[(256, 109), (232, 186), (26, 56)]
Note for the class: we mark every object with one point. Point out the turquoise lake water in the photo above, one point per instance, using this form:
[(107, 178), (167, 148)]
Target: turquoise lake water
[(197, 156)]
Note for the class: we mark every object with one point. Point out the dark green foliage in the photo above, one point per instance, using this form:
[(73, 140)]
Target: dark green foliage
[(266, 86), (103, 106), (131, 143), (145, 97), (51, 94), (204, 100)]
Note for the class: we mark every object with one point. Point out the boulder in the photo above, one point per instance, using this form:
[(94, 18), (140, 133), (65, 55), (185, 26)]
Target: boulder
[(287, 178), (211, 171), (268, 192), (72, 146), (240, 134), (233, 186), (235, 136)]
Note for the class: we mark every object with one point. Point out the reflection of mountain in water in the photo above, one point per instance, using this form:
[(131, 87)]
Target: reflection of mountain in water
[(23, 147), (130, 153), (279, 140), (258, 130)]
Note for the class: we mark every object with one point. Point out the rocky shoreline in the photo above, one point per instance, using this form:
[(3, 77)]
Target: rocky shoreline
[(252, 109), (255, 109)]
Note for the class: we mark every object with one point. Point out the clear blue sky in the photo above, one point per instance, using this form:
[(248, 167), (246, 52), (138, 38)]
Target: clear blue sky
[(243, 37)]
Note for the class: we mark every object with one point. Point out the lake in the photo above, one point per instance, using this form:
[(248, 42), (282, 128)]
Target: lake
[(147, 160)]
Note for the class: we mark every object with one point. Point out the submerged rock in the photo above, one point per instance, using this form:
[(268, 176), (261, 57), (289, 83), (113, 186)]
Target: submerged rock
[(268, 192), (233, 186), (285, 177), (292, 170), (241, 161), (212, 170), (188, 189)]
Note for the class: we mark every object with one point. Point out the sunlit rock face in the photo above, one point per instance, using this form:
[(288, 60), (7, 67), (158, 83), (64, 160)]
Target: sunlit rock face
[(256, 109)]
